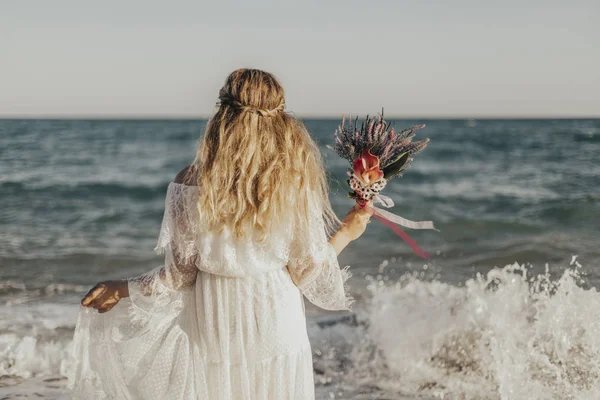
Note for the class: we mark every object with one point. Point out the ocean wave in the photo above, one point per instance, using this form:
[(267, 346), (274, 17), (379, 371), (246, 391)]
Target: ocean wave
[(27, 356), (85, 189), (9, 287), (503, 335), (35, 336)]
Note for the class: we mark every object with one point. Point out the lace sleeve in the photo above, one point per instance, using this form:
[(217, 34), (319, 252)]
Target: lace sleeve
[(179, 228), (314, 267), (177, 240)]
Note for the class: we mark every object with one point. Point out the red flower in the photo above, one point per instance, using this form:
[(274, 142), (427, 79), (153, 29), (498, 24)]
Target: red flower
[(366, 168)]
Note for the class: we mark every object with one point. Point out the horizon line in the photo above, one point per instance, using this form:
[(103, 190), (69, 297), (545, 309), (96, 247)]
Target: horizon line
[(142, 117)]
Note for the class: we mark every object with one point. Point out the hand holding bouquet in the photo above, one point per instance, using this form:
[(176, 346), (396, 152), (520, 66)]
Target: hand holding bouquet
[(378, 154)]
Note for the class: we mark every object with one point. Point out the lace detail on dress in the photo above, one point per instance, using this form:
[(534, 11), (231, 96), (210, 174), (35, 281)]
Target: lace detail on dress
[(311, 261), (217, 253), (156, 292), (328, 287), (179, 230), (314, 267)]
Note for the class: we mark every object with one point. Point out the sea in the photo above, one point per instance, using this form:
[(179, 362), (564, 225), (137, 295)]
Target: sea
[(505, 308)]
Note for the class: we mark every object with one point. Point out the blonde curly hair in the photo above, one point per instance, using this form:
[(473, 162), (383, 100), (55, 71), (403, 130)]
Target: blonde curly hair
[(256, 164)]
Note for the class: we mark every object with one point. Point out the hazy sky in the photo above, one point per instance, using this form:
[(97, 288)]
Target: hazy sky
[(416, 58)]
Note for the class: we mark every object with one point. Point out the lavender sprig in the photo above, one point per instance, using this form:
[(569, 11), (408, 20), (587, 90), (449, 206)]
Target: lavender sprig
[(375, 135)]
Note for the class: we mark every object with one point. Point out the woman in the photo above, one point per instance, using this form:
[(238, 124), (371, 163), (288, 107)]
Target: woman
[(244, 235)]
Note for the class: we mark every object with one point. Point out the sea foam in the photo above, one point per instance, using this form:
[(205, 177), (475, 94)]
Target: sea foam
[(501, 335)]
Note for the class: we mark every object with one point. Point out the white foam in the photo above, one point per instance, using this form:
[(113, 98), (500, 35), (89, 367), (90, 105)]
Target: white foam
[(501, 336), (29, 356), (35, 337)]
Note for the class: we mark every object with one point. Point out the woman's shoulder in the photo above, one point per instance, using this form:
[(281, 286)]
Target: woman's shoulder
[(187, 176)]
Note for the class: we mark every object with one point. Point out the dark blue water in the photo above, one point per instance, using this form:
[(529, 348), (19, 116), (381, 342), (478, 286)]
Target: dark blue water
[(83, 199)]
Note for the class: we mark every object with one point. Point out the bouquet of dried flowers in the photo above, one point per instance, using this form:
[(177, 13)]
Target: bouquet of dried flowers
[(377, 154)]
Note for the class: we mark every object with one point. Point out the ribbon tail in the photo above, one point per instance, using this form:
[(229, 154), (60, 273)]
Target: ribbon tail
[(403, 221), (418, 251)]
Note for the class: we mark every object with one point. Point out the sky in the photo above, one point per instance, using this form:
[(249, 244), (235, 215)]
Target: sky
[(437, 58)]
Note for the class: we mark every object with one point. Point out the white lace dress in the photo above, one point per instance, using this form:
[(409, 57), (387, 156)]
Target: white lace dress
[(221, 319)]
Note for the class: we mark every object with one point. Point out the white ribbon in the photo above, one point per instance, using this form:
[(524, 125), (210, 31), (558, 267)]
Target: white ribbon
[(387, 203)]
